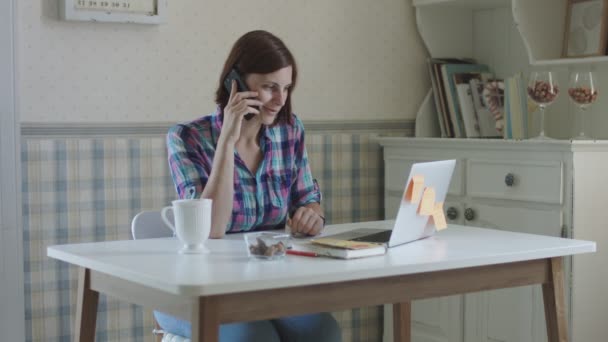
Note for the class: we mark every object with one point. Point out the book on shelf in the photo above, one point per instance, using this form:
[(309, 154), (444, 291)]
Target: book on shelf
[(464, 71), (516, 108), (434, 68), (523, 104), (507, 114), (342, 249), (485, 118), (436, 98), (443, 111), (465, 98), (465, 102)]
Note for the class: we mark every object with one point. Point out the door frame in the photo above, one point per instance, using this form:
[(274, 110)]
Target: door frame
[(12, 307)]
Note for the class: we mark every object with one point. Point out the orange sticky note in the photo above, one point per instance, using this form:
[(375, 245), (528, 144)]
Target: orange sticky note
[(427, 203), (438, 217), (414, 189)]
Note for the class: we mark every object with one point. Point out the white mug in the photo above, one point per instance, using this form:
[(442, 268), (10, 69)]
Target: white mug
[(192, 223)]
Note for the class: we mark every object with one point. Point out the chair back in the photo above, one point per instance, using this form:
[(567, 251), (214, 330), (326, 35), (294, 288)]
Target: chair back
[(150, 225)]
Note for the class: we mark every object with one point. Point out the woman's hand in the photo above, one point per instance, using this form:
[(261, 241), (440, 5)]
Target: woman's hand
[(239, 104), (306, 221)]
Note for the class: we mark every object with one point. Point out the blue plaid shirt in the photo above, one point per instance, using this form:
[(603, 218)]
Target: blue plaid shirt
[(283, 181)]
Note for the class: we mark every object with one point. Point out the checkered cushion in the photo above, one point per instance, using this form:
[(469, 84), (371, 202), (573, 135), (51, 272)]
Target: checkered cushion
[(88, 189)]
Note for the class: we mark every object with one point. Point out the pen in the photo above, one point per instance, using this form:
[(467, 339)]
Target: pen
[(301, 253)]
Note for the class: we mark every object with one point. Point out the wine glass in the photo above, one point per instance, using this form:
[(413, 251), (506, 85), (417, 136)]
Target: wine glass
[(583, 93), (543, 90)]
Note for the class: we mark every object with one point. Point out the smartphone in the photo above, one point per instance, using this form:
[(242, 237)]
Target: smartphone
[(240, 86)]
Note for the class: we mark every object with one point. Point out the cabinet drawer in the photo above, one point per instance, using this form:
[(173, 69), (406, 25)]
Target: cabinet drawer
[(529, 181), (518, 219), (398, 169)]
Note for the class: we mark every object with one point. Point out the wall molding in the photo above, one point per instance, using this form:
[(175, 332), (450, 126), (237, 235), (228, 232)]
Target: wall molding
[(12, 305), (42, 129)]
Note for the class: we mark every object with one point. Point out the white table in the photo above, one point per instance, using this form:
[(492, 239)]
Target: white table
[(225, 286)]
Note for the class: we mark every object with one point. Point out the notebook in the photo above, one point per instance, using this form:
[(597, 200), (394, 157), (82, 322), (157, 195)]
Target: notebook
[(341, 249), (409, 225)]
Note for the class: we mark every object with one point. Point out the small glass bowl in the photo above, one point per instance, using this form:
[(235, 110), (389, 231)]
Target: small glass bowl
[(267, 245)]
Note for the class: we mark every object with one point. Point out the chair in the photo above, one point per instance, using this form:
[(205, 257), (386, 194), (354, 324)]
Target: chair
[(150, 225)]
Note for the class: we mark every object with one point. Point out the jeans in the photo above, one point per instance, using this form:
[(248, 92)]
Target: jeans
[(320, 327)]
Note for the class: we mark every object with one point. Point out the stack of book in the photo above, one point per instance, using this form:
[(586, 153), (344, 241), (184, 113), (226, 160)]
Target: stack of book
[(458, 86), (517, 109), (336, 248)]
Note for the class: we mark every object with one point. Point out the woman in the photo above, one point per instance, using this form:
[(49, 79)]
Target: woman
[(255, 169)]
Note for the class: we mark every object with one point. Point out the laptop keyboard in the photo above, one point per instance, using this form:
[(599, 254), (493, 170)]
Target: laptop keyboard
[(380, 237)]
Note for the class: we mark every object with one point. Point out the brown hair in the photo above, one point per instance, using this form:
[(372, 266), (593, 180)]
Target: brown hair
[(258, 52)]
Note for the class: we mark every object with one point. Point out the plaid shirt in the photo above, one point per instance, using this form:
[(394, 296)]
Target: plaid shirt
[(282, 183)]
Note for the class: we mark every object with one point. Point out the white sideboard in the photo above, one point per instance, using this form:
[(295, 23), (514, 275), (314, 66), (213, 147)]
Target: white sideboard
[(557, 188)]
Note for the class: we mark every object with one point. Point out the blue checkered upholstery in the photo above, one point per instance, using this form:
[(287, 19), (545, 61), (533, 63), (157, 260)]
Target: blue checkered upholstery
[(80, 189)]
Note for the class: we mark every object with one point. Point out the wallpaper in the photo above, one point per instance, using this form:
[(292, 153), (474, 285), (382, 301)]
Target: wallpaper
[(358, 59)]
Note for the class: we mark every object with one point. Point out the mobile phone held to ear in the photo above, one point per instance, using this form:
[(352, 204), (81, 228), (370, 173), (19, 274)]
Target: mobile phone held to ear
[(240, 85)]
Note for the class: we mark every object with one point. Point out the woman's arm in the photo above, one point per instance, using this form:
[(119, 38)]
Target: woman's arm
[(196, 168), (308, 217), (220, 188), (200, 169), (207, 170)]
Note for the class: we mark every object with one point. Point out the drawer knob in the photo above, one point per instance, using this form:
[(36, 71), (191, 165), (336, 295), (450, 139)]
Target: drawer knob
[(452, 213), (510, 179), (469, 214)]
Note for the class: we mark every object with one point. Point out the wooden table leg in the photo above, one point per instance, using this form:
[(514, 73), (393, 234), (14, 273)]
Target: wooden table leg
[(555, 308), (205, 320), (86, 308), (402, 322)]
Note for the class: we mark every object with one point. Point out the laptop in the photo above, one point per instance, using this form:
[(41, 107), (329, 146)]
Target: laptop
[(409, 225)]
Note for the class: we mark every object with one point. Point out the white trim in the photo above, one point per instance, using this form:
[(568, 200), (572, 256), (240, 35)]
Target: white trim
[(12, 323), (73, 129), (554, 145)]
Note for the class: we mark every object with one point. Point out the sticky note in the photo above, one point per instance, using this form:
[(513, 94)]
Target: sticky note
[(427, 203), (438, 217), (414, 189)]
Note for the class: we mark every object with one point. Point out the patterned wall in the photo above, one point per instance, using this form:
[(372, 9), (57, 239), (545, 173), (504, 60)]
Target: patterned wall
[(356, 59), (81, 189)]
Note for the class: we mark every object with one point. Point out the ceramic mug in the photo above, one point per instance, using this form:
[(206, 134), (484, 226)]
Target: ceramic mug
[(192, 223)]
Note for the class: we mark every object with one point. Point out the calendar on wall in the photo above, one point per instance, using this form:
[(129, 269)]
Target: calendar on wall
[(128, 6), (122, 11)]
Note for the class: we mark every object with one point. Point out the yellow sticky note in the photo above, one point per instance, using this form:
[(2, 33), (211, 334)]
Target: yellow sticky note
[(414, 189), (438, 217), (427, 204)]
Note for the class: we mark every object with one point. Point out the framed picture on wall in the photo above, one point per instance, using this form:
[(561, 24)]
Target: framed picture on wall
[(586, 28), (118, 11)]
